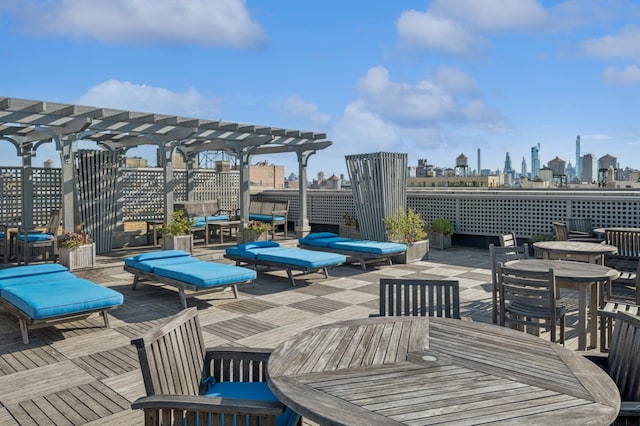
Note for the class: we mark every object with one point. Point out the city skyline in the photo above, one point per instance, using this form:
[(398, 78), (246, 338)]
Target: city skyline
[(434, 79)]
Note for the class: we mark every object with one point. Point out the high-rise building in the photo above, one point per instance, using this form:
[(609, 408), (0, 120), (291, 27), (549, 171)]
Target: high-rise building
[(535, 161), (589, 168), (508, 170), (523, 167), (578, 162), (479, 168)]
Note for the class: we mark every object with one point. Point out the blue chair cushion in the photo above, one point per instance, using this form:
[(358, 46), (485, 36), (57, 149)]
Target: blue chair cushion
[(257, 244), (257, 391), (201, 221), (28, 270), (51, 299), (150, 265), (39, 278), (31, 238), (318, 235), (206, 274), (368, 246), (265, 217)]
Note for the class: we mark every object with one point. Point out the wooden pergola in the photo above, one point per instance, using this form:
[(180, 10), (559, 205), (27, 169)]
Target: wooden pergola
[(29, 123)]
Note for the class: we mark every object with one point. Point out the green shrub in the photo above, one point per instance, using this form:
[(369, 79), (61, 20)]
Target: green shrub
[(441, 224), (407, 227)]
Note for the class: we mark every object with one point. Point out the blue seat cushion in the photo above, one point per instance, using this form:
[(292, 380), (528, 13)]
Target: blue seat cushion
[(206, 274), (38, 278), (201, 221), (318, 235), (322, 242), (31, 238), (265, 217), (298, 257), (162, 254), (251, 249), (51, 299), (27, 270), (256, 391), (150, 265), (368, 246)]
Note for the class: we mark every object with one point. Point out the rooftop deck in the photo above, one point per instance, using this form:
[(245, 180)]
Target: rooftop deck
[(80, 373)]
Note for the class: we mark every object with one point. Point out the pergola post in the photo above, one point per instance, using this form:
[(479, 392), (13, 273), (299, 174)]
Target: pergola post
[(26, 149), (68, 186), (169, 184), (302, 227), (189, 163), (245, 196)]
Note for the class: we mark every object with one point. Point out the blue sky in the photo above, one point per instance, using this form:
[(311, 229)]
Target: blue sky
[(433, 79)]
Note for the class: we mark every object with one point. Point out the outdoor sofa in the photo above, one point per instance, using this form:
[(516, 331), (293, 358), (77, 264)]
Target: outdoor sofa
[(360, 251), (179, 269), (273, 256), (46, 294)]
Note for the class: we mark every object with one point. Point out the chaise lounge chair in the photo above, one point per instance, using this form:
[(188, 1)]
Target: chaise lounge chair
[(360, 251), (179, 269), (272, 255), (47, 294)]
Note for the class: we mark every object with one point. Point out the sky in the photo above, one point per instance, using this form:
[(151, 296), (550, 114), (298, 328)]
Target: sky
[(433, 79)]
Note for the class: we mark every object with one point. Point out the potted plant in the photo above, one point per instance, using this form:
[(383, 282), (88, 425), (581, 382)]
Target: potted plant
[(253, 231), (350, 228), (176, 235), (76, 250), (440, 233), (408, 228)]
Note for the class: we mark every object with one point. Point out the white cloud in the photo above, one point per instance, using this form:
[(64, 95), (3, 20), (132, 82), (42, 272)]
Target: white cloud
[(143, 98), (225, 23), (428, 31), (455, 80), (622, 45), (458, 27), (296, 106), (628, 75)]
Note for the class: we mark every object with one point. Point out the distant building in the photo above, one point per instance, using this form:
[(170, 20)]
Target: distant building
[(493, 181), (462, 166), (589, 168), (266, 176), (535, 161), (334, 182), (523, 166), (135, 162), (578, 158)]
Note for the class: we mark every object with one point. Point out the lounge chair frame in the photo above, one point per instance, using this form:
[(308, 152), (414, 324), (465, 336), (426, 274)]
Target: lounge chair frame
[(139, 275)]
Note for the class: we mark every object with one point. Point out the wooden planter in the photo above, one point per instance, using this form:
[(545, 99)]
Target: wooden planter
[(178, 242), (440, 241), (349, 231), (415, 252), (79, 257), (248, 235)]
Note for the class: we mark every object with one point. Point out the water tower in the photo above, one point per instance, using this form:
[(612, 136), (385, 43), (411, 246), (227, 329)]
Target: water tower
[(462, 166)]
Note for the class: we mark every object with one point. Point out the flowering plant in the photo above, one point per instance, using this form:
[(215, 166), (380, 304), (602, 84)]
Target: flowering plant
[(257, 226), (74, 240)]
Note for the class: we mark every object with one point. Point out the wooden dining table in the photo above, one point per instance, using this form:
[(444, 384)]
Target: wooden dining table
[(583, 277), (575, 250), (424, 370)]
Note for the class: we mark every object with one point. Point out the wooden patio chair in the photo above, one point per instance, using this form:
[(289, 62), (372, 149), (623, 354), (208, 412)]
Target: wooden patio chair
[(529, 299), (434, 298), (188, 384), (622, 363), (31, 238), (580, 227), (561, 233), (508, 240), (499, 255)]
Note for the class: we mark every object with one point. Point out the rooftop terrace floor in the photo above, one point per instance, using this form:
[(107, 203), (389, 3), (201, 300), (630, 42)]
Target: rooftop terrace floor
[(80, 373)]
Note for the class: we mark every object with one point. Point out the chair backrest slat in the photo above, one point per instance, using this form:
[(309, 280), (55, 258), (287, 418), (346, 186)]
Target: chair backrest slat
[(400, 297), (624, 356), (172, 356), (560, 231), (508, 240)]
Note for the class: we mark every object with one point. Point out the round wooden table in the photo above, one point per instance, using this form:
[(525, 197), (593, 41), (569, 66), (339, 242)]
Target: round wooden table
[(584, 277), (575, 250), (422, 370)]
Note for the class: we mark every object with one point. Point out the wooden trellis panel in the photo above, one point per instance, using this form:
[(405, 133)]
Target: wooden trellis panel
[(96, 182), (379, 186)]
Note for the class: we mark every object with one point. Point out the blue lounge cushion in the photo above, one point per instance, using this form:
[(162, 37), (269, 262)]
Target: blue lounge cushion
[(303, 258), (256, 391), (322, 242), (368, 246), (28, 270), (318, 235), (39, 278), (31, 238), (265, 217), (251, 253), (51, 299), (206, 274), (150, 265), (257, 244), (162, 254)]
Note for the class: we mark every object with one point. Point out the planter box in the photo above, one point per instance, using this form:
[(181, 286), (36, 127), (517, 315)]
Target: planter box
[(350, 232), (415, 252), (180, 242), (247, 236), (440, 241), (79, 257)]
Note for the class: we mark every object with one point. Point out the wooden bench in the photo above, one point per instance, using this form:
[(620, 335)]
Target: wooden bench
[(627, 240), (202, 212), (273, 212)]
